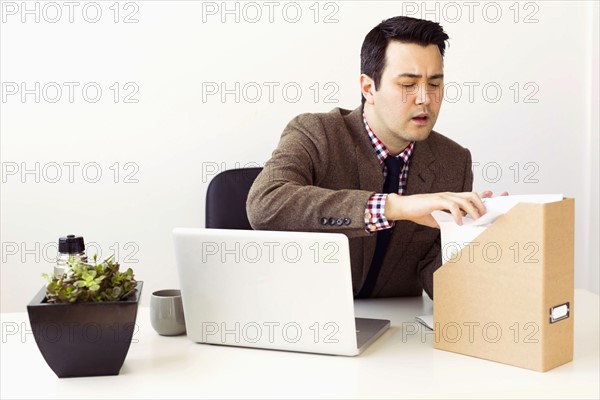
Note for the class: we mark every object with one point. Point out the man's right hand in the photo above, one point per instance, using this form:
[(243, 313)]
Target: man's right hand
[(418, 207)]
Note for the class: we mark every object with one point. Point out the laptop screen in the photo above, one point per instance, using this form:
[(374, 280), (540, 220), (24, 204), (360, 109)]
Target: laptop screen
[(280, 290)]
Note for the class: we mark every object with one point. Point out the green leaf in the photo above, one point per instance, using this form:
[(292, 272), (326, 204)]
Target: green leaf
[(85, 282)]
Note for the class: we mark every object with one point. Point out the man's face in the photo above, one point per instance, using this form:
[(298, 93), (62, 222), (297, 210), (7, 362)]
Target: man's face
[(406, 104)]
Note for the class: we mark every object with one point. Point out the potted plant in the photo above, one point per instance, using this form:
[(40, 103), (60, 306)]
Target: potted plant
[(83, 321)]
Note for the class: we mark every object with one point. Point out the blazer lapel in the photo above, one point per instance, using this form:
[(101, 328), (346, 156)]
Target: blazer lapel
[(370, 172), (420, 179), (421, 171)]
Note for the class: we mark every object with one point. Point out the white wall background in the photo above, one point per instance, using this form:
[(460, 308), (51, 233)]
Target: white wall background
[(539, 135)]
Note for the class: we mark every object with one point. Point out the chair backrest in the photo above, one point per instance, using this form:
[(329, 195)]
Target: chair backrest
[(226, 198)]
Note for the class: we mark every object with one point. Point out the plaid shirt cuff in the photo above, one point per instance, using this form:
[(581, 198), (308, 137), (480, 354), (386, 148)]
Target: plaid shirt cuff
[(374, 218)]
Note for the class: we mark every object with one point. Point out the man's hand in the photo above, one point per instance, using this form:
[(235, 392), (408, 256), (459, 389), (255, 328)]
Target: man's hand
[(418, 207), (488, 193)]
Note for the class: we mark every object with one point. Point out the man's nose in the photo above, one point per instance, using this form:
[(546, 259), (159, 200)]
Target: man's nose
[(423, 95)]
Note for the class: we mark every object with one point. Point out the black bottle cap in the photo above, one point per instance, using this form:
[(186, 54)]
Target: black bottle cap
[(71, 244)]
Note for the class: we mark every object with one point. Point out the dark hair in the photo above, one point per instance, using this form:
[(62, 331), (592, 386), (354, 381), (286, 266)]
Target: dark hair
[(402, 29)]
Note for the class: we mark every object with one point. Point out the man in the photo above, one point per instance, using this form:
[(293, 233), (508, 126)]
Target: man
[(376, 173)]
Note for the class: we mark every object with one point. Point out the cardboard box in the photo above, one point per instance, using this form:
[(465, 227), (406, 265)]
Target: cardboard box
[(508, 295)]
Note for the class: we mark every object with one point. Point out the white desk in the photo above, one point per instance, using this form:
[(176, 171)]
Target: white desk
[(395, 366)]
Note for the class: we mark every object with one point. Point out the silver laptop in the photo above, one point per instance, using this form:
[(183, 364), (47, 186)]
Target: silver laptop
[(272, 290)]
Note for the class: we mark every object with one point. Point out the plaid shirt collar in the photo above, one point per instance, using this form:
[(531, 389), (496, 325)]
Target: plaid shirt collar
[(382, 151)]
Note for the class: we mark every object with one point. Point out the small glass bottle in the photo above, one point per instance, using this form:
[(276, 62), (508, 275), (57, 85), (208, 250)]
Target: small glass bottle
[(71, 248)]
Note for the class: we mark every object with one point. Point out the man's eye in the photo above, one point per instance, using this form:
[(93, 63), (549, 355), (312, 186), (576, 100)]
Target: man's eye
[(435, 85), (408, 85)]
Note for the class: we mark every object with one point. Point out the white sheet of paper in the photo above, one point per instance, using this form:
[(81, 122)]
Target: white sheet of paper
[(455, 237), (425, 320)]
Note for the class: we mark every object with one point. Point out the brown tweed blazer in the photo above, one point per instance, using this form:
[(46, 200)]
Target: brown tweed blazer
[(322, 174)]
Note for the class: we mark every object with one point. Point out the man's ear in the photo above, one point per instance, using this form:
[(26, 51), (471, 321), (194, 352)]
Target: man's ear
[(367, 86)]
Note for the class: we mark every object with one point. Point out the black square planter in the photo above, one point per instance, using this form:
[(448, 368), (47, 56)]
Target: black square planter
[(83, 339)]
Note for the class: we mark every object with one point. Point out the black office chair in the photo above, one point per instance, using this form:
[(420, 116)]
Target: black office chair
[(226, 198)]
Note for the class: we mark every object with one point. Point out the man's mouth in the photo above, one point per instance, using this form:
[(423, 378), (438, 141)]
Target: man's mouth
[(421, 119)]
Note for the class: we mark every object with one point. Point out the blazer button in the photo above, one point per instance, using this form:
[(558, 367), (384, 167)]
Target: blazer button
[(332, 221), (340, 221), (347, 221), (324, 221)]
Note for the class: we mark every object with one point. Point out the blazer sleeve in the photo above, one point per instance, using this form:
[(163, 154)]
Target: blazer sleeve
[(289, 195), (433, 260)]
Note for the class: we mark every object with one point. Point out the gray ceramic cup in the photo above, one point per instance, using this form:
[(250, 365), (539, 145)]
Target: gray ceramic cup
[(166, 312)]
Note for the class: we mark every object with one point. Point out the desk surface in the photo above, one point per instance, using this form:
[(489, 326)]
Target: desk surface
[(397, 365)]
